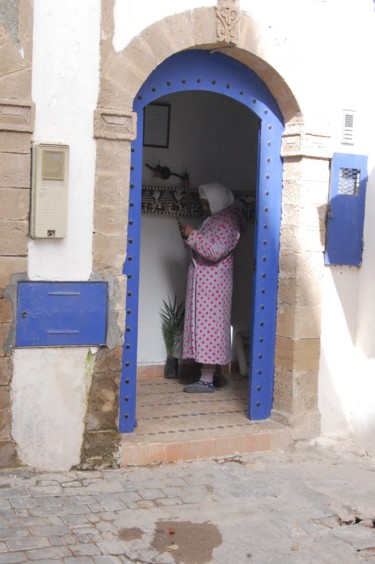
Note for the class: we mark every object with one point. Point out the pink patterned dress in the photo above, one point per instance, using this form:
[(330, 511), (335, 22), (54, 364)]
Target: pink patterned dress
[(208, 303)]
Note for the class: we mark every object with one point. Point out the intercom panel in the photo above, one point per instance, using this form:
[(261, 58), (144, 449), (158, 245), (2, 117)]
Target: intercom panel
[(49, 191)]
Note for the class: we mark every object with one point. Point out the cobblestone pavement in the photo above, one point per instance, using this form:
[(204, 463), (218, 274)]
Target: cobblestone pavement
[(311, 504)]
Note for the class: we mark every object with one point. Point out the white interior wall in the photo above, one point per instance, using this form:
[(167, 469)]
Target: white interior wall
[(204, 128), (215, 139)]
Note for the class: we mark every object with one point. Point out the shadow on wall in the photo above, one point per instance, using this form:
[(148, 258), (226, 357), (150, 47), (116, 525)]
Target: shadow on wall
[(348, 293), (348, 349), (175, 273), (366, 293)]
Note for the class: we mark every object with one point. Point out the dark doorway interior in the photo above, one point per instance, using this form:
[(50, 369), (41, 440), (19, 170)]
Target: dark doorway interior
[(211, 137)]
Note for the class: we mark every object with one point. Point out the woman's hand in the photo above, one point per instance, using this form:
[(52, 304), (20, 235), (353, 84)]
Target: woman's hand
[(186, 230)]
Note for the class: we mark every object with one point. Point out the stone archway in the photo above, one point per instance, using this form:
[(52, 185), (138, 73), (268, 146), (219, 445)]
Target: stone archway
[(305, 154)]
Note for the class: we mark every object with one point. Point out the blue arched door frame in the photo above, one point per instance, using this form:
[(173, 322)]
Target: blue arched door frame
[(215, 72)]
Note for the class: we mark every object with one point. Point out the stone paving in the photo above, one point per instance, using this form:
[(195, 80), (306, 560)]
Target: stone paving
[(312, 503)]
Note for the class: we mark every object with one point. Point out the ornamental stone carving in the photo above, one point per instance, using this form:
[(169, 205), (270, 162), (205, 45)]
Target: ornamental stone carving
[(115, 124), (17, 116), (227, 18), (306, 145)]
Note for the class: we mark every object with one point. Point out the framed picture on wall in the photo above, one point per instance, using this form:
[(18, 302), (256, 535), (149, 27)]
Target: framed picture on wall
[(156, 121)]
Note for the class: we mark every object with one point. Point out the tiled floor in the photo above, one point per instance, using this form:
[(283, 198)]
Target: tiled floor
[(174, 426)]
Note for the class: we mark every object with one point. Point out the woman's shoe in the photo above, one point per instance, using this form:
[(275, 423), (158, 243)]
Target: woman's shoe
[(199, 388)]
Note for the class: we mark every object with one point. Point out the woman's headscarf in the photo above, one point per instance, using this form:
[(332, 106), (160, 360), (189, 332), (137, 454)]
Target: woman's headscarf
[(219, 197)]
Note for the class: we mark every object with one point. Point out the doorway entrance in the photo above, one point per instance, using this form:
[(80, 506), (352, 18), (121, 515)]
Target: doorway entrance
[(201, 71)]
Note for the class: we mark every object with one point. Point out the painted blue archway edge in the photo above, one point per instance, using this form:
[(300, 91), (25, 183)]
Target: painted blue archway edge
[(215, 72)]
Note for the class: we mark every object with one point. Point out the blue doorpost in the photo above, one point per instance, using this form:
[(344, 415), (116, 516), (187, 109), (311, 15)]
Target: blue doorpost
[(127, 420), (215, 72)]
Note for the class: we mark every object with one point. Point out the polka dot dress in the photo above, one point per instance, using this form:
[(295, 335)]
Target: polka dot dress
[(209, 289)]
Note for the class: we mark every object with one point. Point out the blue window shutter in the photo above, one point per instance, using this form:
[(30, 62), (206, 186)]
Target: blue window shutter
[(346, 210)]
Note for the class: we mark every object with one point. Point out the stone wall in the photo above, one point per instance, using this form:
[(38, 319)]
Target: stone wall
[(16, 126), (114, 129), (301, 265)]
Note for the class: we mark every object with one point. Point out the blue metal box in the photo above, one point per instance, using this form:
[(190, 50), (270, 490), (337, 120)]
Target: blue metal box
[(54, 314)]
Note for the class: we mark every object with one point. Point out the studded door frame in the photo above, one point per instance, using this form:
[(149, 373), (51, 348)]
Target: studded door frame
[(215, 72)]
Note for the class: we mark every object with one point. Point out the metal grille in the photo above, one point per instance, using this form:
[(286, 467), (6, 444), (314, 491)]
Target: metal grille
[(348, 127), (349, 180)]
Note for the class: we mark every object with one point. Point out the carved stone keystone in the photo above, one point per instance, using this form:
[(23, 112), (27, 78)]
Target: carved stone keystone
[(227, 18)]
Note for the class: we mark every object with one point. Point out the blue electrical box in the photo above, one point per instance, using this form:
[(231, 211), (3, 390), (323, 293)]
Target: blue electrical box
[(56, 314), (346, 210)]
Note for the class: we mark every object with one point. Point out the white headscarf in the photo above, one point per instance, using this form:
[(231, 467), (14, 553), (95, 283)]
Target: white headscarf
[(219, 197)]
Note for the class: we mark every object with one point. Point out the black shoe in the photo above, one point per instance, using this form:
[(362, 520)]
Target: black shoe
[(199, 388)]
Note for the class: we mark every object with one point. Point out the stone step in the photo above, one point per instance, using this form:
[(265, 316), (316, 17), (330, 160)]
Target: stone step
[(174, 426)]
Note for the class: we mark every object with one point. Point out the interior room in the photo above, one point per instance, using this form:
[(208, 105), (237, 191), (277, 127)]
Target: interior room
[(206, 137)]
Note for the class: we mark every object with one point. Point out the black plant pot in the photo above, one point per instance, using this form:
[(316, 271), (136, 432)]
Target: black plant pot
[(171, 368)]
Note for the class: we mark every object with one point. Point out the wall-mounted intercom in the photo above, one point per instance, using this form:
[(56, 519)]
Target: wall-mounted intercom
[(49, 191)]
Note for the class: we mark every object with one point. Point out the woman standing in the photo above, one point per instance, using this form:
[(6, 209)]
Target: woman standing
[(207, 337)]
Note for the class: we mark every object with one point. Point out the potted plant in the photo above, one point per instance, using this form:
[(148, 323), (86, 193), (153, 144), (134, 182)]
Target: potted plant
[(172, 325)]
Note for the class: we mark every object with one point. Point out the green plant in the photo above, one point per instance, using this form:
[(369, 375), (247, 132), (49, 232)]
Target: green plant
[(172, 324)]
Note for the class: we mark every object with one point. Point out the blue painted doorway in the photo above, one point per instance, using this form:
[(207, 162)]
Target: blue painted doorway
[(217, 73)]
